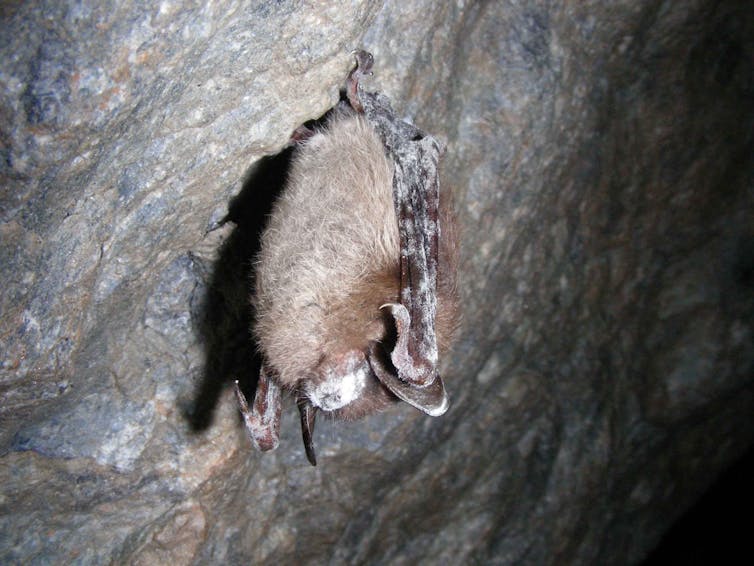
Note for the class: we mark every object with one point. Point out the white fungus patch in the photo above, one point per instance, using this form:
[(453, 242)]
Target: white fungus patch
[(337, 390)]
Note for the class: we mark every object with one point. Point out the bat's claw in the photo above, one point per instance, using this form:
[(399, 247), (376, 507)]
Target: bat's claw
[(414, 367), (364, 64), (364, 61), (431, 398)]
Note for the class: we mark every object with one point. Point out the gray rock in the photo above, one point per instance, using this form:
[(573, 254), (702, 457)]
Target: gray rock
[(601, 158)]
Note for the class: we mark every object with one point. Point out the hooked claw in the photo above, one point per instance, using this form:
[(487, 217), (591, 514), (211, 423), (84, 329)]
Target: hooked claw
[(364, 64)]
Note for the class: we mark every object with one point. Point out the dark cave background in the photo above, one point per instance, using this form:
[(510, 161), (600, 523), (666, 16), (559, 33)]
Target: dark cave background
[(601, 159), (712, 529)]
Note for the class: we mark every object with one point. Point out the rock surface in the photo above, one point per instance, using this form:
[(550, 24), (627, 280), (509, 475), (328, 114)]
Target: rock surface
[(601, 156)]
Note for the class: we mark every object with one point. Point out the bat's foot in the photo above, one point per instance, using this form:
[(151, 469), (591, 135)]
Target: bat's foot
[(262, 419), (364, 64)]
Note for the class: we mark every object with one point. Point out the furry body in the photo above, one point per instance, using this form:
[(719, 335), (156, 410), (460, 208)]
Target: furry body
[(330, 258)]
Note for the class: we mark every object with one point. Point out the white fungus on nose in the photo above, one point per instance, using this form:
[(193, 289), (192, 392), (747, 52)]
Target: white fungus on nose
[(339, 388)]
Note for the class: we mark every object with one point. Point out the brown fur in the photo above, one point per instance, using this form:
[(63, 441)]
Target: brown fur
[(330, 259)]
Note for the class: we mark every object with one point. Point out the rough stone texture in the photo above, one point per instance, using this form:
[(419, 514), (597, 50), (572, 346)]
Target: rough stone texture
[(601, 157)]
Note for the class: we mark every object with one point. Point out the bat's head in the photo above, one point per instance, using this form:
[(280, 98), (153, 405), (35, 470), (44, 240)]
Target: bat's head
[(346, 386), (356, 383)]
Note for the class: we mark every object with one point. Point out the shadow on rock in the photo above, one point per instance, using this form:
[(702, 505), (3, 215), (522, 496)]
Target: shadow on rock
[(224, 316)]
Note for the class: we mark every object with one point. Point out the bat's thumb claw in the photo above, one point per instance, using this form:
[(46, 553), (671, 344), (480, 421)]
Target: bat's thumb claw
[(399, 355), (431, 399)]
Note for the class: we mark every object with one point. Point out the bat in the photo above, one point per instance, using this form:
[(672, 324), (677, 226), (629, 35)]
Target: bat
[(356, 295)]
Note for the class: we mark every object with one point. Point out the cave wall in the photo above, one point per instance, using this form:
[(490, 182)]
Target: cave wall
[(600, 156)]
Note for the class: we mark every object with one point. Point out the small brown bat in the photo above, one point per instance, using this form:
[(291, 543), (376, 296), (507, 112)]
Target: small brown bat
[(356, 277)]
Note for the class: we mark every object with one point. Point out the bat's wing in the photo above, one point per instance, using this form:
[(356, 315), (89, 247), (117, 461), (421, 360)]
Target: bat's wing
[(262, 419), (416, 195)]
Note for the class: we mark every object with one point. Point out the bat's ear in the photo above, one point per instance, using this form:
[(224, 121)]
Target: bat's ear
[(308, 414), (431, 398)]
